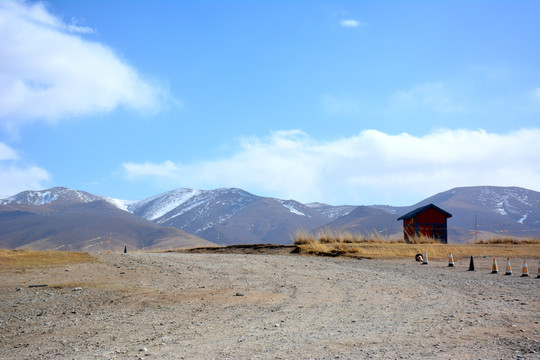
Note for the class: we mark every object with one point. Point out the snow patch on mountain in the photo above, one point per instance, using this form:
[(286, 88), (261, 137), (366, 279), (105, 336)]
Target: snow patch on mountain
[(330, 211), (179, 212), (511, 202), (194, 210), (500, 207), (159, 205), (43, 197), (290, 206), (121, 204)]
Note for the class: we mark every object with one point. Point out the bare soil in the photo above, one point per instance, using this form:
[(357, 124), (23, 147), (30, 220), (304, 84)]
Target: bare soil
[(273, 306)]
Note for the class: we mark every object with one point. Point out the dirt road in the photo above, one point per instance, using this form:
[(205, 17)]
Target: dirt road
[(208, 306)]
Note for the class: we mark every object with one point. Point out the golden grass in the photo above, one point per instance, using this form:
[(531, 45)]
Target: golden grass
[(328, 236), (509, 240), (25, 259), (340, 243), (435, 251)]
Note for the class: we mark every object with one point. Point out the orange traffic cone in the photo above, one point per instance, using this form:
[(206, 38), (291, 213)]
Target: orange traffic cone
[(508, 267), (425, 262), (451, 260), (494, 267), (525, 271)]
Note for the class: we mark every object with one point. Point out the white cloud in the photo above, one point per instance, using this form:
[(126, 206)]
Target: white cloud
[(166, 169), (49, 72), (7, 153), (350, 23), (15, 176), (371, 167)]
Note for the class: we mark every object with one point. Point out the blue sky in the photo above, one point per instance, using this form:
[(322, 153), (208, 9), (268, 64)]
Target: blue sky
[(360, 102)]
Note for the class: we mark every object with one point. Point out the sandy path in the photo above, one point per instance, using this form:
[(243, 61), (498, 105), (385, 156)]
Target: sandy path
[(207, 306)]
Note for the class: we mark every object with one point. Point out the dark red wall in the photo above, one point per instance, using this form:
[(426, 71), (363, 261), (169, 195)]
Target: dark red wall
[(431, 216)]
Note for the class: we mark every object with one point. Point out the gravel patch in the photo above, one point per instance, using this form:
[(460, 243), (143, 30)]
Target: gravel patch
[(233, 306)]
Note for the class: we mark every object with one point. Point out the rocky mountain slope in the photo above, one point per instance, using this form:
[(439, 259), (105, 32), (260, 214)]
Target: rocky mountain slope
[(233, 216), (368, 221), (490, 210), (58, 216), (58, 195), (65, 219), (509, 211), (229, 216)]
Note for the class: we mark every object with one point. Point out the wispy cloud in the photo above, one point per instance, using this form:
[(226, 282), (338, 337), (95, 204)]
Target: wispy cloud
[(38, 14), (16, 176), (371, 167), (350, 23), (49, 72), (339, 105), (7, 153), (429, 96), (165, 169), (536, 94)]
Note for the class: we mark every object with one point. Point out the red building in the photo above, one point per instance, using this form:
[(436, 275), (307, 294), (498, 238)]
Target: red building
[(428, 220)]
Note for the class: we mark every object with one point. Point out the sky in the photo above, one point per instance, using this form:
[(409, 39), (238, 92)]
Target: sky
[(340, 102)]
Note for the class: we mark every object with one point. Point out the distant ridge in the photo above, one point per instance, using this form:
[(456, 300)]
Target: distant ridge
[(64, 219), (56, 195), (229, 216), (47, 218), (507, 211)]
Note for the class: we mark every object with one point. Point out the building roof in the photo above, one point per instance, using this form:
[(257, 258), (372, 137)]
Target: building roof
[(415, 212)]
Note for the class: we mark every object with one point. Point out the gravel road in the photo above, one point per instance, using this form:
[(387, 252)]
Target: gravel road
[(231, 306)]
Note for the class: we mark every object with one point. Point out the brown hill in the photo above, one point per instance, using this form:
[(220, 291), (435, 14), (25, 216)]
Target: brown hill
[(368, 221), (73, 225), (261, 220), (492, 211)]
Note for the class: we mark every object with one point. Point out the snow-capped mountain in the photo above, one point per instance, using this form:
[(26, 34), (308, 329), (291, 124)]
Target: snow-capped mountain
[(227, 216), (234, 216), (56, 194), (510, 211), (505, 204), (215, 205), (489, 210), (64, 219)]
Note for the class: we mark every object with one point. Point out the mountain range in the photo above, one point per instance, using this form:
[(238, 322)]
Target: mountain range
[(64, 219), (61, 218)]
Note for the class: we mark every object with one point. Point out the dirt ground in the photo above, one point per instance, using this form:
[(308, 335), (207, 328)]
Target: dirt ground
[(238, 306)]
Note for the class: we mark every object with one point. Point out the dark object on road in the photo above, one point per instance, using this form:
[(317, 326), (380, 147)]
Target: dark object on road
[(471, 264)]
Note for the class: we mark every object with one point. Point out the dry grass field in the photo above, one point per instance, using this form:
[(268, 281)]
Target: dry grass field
[(24, 259), (342, 243)]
